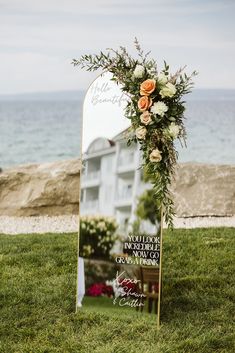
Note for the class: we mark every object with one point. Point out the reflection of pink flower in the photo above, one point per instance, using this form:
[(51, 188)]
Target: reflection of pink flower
[(108, 290), (95, 290), (98, 289)]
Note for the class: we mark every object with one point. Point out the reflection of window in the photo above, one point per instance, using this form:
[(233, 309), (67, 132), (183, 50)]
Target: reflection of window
[(108, 193), (125, 191), (84, 167), (109, 163), (126, 157)]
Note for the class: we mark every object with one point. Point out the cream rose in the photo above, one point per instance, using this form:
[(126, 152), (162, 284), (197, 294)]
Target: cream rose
[(159, 108), (168, 90), (162, 79), (141, 132), (174, 130), (145, 118), (147, 87), (144, 103), (155, 156), (139, 71)]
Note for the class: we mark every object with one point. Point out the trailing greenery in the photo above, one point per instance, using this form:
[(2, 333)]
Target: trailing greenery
[(147, 206), (155, 109), (38, 286)]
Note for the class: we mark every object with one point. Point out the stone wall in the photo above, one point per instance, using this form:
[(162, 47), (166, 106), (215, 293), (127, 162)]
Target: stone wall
[(53, 189)]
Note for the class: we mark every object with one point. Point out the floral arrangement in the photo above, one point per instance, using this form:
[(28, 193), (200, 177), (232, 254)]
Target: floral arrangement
[(155, 109), (97, 236)]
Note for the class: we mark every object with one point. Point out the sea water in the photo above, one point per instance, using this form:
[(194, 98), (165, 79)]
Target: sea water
[(39, 131), (49, 130)]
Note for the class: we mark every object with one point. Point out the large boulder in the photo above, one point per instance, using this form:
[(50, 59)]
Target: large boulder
[(40, 189), (204, 190)]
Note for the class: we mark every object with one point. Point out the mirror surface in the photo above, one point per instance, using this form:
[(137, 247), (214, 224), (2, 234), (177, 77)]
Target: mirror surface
[(118, 266), (103, 110)]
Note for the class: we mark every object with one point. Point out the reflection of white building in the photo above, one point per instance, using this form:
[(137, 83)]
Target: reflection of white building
[(111, 179)]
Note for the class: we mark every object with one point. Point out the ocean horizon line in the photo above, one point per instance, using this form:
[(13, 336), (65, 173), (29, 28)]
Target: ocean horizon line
[(71, 95)]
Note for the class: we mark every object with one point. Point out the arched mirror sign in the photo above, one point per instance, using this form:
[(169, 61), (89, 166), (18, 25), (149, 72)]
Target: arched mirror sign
[(119, 248)]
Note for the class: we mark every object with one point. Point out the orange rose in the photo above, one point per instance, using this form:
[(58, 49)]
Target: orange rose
[(144, 103), (147, 87)]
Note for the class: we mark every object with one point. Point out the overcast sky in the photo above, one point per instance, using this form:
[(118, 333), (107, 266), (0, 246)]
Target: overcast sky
[(39, 38)]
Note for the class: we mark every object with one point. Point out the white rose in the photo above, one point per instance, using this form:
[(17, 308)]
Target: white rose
[(152, 71), (162, 79), (139, 71), (174, 130), (155, 156), (159, 108), (141, 132), (145, 118), (168, 90)]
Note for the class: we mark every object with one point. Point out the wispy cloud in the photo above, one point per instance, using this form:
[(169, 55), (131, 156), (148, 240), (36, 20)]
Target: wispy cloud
[(38, 39), (114, 7)]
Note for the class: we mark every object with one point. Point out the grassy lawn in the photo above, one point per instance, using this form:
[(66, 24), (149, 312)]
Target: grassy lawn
[(37, 298)]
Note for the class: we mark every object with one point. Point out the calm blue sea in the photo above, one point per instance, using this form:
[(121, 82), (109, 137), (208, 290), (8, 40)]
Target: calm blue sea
[(49, 130), (39, 131)]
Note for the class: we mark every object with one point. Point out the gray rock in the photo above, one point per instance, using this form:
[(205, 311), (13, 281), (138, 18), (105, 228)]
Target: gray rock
[(40, 189), (204, 190)]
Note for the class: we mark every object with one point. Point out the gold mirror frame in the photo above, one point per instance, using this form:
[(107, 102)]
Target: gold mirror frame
[(78, 242)]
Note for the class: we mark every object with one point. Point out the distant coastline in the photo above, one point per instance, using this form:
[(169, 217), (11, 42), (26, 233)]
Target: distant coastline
[(71, 95), (45, 96), (45, 127)]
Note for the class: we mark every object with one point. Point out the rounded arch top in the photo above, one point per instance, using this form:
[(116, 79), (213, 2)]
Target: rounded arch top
[(103, 112)]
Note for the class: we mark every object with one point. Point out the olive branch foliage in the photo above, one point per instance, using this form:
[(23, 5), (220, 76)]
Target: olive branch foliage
[(122, 65)]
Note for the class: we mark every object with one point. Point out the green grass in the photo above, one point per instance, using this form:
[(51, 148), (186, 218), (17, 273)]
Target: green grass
[(37, 298)]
